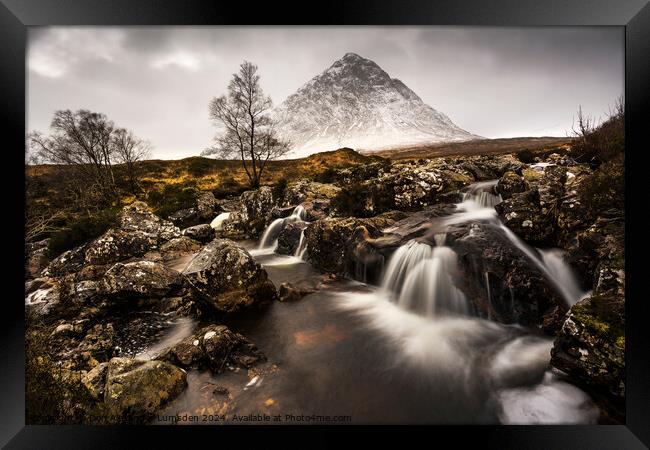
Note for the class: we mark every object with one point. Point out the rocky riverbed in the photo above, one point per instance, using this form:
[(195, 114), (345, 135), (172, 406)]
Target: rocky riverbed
[(461, 290)]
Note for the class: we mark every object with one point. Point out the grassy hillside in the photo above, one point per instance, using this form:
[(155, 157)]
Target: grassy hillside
[(477, 147)]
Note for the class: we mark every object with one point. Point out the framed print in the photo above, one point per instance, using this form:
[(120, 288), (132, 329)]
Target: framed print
[(240, 222)]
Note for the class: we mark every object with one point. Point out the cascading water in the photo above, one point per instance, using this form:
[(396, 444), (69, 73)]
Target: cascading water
[(420, 277), (270, 237), (301, 250), (217, 222)]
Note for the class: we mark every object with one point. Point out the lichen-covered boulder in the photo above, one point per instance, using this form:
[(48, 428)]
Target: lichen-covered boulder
[(591, 345), (177, 247), (67, 262), (227, 278), (138, 217), (136, 389), (214, 347), (523, 215), (139, 279), (256, 209), (510, 183), (118, 245)]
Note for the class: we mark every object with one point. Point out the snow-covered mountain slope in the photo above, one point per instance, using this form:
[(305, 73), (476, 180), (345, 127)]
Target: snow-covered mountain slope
[(356, 104)]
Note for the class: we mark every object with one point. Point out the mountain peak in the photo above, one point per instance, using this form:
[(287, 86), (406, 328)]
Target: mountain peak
[(355, 103)]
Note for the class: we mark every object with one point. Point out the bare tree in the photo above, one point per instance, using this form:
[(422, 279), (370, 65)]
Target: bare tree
[(81, 140), (247, 130), (129, 150)]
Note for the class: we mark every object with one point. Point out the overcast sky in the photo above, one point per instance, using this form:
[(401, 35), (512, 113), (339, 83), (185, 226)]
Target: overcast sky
[(157, 81)]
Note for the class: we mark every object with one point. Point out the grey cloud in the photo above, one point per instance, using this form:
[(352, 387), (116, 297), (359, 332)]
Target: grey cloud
[(158, 80)]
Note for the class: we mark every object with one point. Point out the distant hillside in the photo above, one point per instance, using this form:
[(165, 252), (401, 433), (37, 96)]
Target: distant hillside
[(476, 147)]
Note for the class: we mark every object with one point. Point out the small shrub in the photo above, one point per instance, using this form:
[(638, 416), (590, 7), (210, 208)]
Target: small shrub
[(604, 190), (352, 200), (602, 143), (228, 186), (328, 175), (199, 167), (81, 230), (172, 198), (526, 157), (279, 189)]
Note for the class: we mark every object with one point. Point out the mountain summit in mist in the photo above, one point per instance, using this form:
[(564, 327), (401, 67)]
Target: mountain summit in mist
[(354, 103)]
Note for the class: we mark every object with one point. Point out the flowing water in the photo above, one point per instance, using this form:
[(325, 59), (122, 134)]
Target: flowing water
[(406, 351)]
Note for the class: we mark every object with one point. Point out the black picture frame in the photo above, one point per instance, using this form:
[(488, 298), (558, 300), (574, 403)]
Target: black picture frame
[(634, 15)]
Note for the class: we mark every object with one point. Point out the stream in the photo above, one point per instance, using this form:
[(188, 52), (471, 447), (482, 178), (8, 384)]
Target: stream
[(405, 351)]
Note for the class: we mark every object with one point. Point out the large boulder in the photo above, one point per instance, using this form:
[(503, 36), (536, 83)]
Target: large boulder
[(140, 279), (70, 261), (140, 231), (523, 214), (134, 389), (502, 281), (256, 208), (118, 245), (138, 217), (227, 278), (214, 347), (416, 186), (591, 345)]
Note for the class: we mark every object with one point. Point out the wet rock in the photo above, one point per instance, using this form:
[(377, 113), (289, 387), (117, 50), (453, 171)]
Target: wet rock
[(291, 292), (573, 213), (95, 381), (183, 245), (214, 347), (510, 183), (63, 329), (523, 214), (42, 296), (591, 345), (289, 237), (235, 227), (518, 291), (136, 389), (202, 233), (227, 278), (139, 279)]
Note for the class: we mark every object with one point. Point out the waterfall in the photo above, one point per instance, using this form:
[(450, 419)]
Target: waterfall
[(301, 250), (270, 237), (217, 222), (403, 262), (420, 277), (429, 288)]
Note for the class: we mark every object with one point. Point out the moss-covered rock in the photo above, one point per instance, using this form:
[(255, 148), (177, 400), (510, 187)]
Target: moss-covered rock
[(510, 183), (591, 345), (136, 389), (139, 279)]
